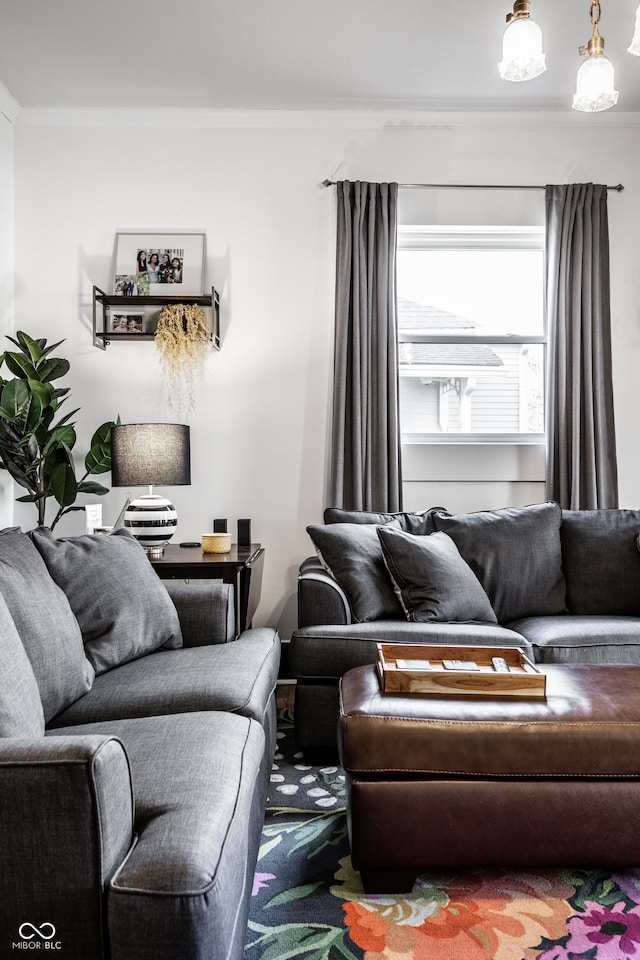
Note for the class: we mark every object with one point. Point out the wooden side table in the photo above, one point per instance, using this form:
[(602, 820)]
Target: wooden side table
[(241, 566)]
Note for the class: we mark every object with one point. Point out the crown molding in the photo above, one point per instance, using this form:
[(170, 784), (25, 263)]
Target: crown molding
[(9, 106), (321, 119)]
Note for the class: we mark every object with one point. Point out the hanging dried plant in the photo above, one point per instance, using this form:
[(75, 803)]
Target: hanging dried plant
[(183, 342)]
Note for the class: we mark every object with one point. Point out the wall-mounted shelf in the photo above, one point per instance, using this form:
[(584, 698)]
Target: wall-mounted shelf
[(111, 311)]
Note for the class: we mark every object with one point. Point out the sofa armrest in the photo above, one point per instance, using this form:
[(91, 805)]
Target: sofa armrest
[(66, 822), (321, 599), (206, 612)]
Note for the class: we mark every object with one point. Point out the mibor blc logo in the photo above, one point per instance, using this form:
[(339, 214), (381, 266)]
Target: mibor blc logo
[(32, 937)]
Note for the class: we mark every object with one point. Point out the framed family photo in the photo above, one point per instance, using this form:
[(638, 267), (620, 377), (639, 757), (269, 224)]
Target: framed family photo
[(123, 320), (172, 264)]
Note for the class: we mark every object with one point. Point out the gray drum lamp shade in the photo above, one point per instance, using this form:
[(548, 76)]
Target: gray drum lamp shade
[(150, 454)]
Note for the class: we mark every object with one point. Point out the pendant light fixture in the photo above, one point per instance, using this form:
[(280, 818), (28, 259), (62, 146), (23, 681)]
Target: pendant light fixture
[(594, 85), (522, 56), (523, 59), (635, 43)]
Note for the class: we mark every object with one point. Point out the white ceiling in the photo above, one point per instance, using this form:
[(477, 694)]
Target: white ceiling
[(294, 54)]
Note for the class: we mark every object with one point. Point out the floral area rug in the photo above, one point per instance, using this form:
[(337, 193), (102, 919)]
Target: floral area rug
[(308, 901)]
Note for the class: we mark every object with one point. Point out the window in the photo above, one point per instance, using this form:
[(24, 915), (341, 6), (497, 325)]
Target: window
[(471, 333)]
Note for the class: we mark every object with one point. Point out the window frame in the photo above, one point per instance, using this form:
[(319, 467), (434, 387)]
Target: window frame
[(423, 237)]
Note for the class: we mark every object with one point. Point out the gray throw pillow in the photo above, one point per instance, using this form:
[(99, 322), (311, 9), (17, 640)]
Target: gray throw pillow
[(420, 523), (122, 606), (515, 554), (45, 623), (352, 554), (601, 562), (432, 580), (20, 704)]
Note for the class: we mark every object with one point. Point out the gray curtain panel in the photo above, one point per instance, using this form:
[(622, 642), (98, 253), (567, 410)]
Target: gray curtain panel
[(581, 458), (365, 467)]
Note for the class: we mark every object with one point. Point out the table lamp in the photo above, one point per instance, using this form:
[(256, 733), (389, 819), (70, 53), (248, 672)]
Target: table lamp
[(146, 454)]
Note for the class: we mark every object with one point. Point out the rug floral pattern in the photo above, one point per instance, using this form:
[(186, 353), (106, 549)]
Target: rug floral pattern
[(309, 903)]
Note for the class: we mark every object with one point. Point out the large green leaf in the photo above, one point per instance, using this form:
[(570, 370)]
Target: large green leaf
[(30, 347), (31, 447), (64, 485), (98, 459), (19, 452), (47, 418), (20, 366), (60, 436), (67, 417), (42, 390), (13, 399), (58, 392), (53, 459), (90, 486), (43, 344), (33, 415), (32, 497), (53, 369), (20, 476), (8, 435), (102, 434), (28, 416)]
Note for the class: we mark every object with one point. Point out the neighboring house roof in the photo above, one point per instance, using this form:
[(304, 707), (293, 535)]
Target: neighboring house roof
[(437, 354), (420, 318), (417, 318)]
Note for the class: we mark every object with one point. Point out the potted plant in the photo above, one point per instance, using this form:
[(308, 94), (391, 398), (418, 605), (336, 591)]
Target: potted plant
[(35, 447)]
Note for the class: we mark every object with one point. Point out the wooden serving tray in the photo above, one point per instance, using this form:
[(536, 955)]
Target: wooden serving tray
[(523, 681)]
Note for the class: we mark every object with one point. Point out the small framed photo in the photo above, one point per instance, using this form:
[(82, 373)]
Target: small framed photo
[(171, 263), (130, 285), (123, 320)]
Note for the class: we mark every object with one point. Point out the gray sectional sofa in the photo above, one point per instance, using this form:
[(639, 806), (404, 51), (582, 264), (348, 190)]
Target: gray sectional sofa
[(564, 586), (136, 740)]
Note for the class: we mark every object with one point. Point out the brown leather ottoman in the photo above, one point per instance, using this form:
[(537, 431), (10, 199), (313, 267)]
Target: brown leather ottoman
[(437, 782)]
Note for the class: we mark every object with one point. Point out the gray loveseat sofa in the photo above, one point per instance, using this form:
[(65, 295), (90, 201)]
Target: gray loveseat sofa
[(136, 740), (564, 586)]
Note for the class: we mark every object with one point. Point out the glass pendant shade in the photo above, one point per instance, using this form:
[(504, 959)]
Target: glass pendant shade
[(522, 56), (635, 43), (594, 86)]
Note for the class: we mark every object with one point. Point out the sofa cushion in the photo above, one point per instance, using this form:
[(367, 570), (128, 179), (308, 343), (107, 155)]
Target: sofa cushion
[(580, 639), (420, 523), (122, 606), (45, 623), (515, 553), (326, 652), (431, 579), (237, 677), (20, 704), (352, 554), (601, 562)]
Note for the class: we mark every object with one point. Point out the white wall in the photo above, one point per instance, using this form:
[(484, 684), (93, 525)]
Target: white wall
[(8, 110), (252, 182)]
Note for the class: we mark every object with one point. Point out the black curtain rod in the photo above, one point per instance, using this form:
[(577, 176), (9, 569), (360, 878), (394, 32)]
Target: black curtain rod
[(473, 186)]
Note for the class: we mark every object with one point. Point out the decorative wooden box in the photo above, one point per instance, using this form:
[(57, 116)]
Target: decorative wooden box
[(438, 670)]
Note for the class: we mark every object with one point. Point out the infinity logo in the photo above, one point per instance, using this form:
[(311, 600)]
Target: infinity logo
[(37, 931)]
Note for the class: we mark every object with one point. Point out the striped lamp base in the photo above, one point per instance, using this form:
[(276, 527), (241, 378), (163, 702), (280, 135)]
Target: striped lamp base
[(152, 520)]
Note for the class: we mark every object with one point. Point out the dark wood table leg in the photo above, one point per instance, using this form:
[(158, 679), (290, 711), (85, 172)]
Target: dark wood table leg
[(248, 589)]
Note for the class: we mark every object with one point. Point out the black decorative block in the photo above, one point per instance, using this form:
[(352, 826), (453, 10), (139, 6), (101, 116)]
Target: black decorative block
[(244, 533)]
